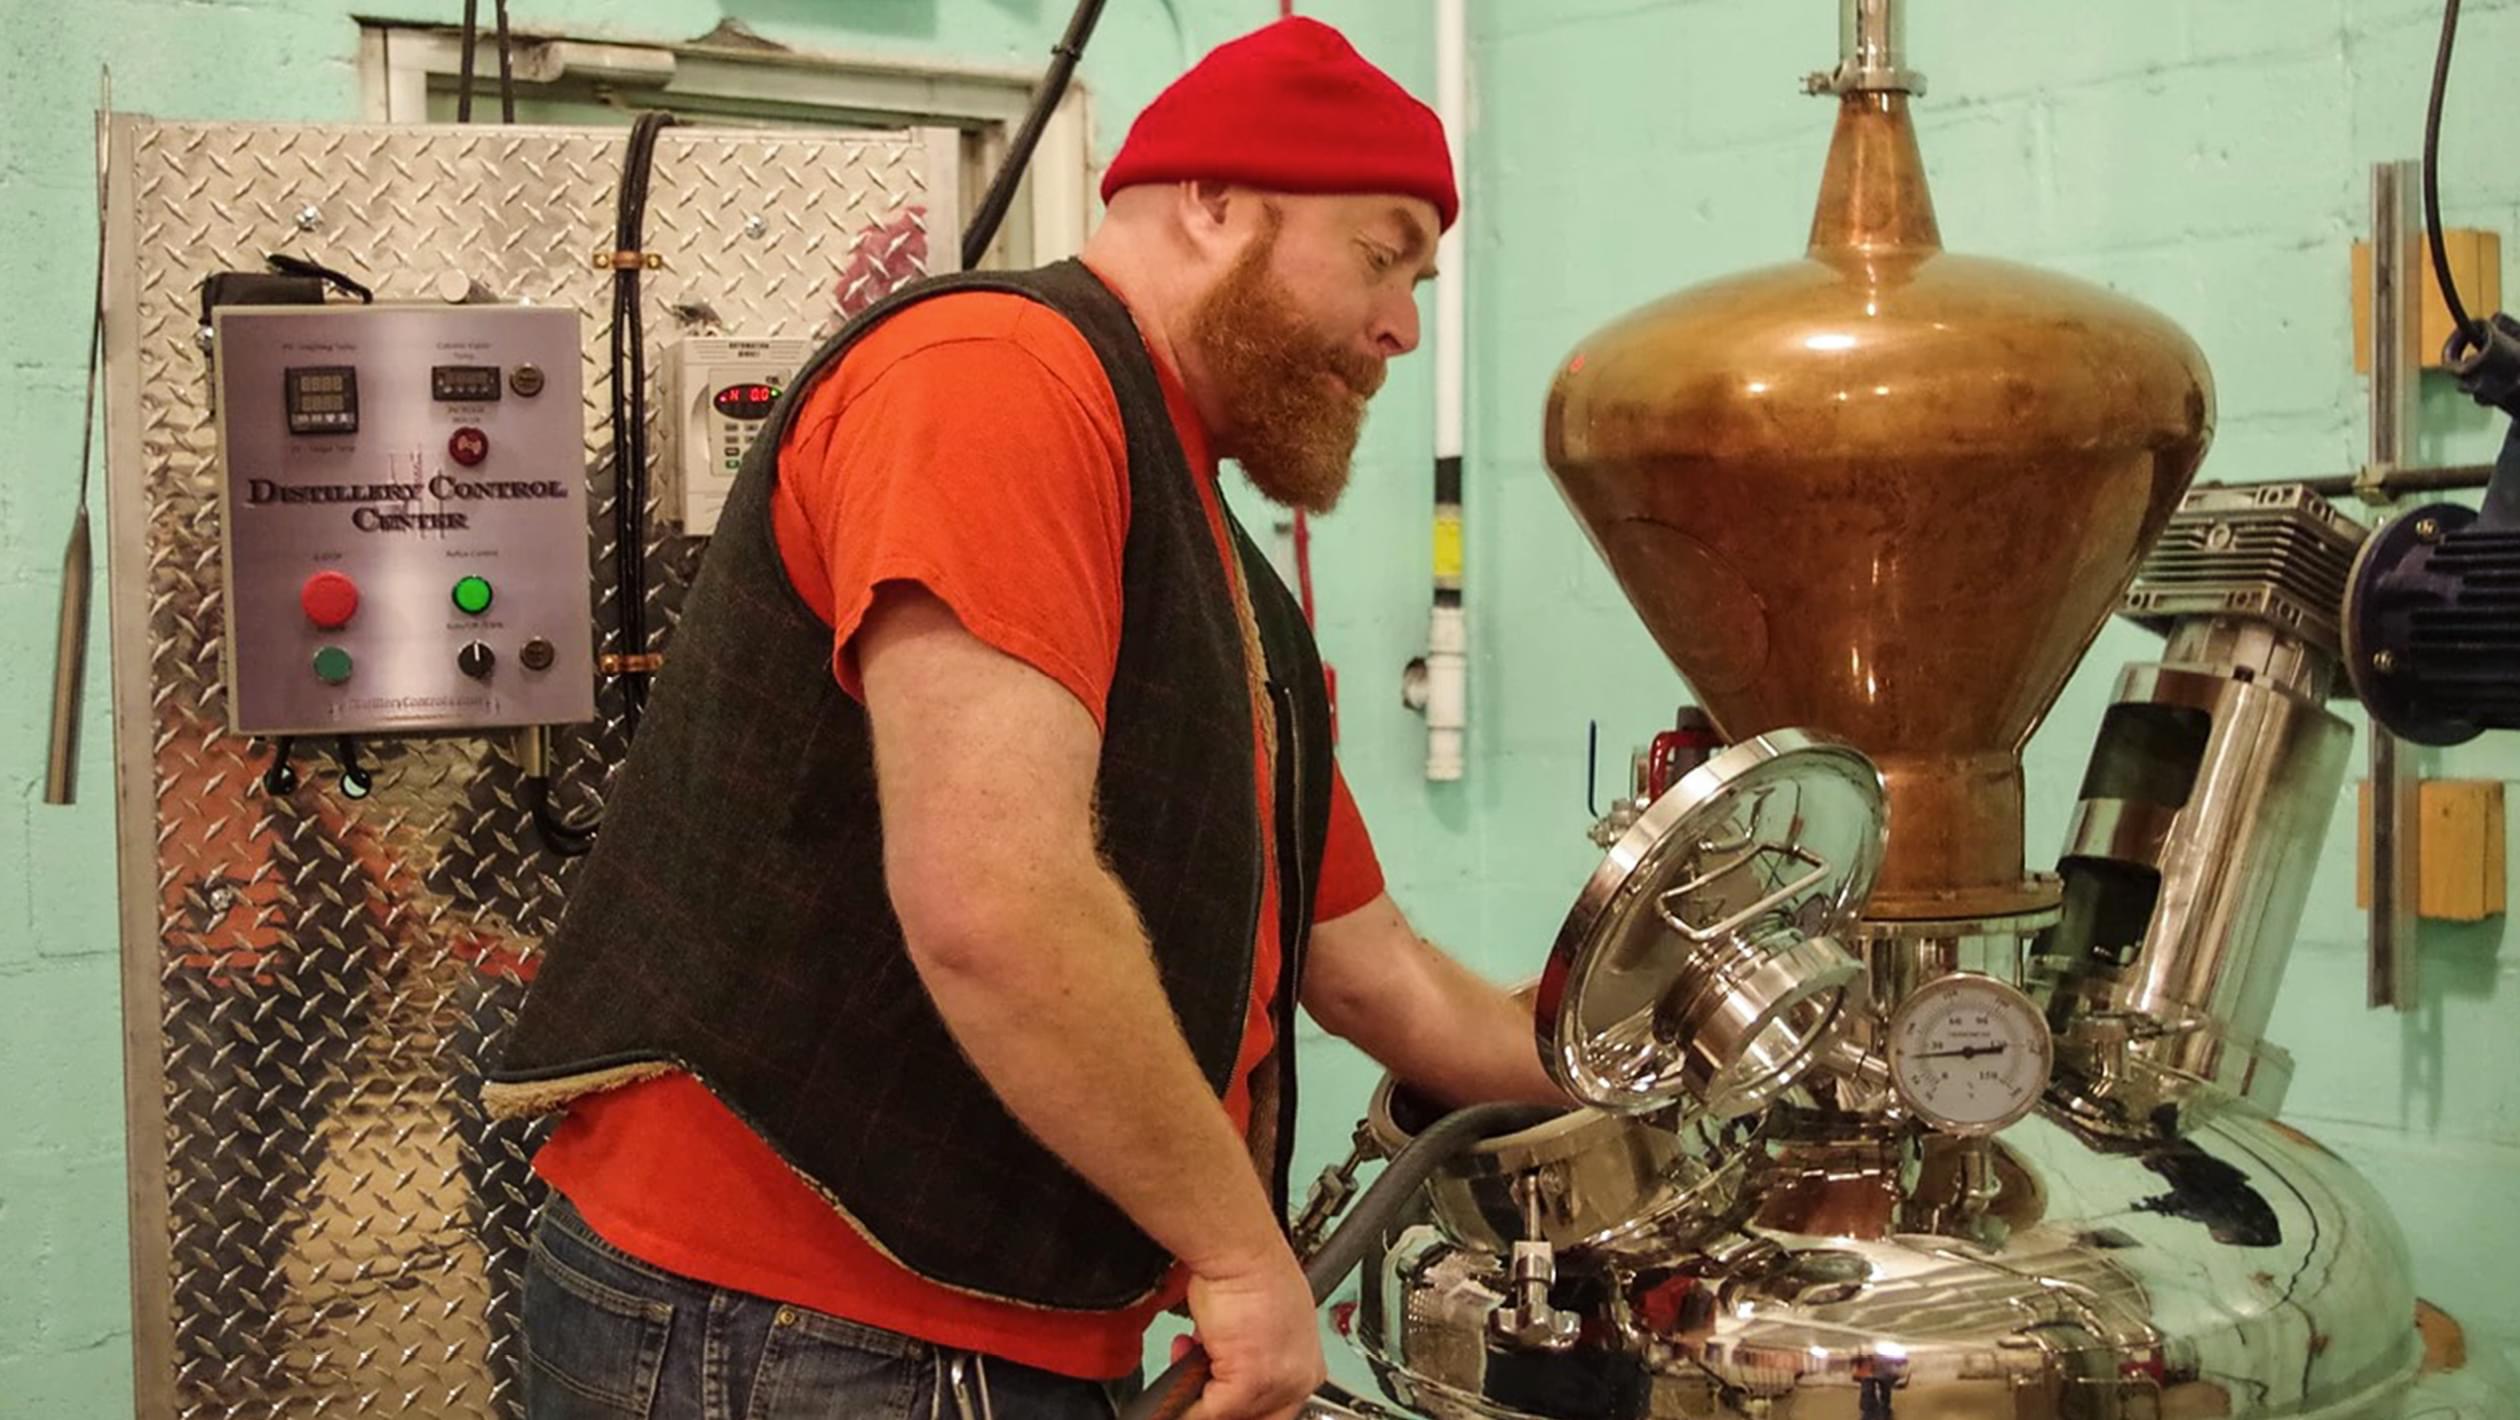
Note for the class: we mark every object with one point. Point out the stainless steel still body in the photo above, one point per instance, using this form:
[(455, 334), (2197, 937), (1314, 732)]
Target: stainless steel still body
[(2238, 1270), (322, 1221), (2150, 1242), (1884, 1123)]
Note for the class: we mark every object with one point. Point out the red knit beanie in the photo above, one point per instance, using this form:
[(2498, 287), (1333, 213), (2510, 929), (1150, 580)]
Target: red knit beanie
[(1291, 108)]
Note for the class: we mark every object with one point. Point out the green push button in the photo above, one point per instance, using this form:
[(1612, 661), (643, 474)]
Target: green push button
[(332, 665), (472, 595)]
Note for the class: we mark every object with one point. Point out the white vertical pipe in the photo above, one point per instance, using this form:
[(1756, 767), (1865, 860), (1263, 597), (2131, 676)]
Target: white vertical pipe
[(1448, 630), (1452, 104)]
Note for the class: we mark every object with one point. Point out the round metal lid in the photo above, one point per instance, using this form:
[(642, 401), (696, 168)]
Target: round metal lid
[(1701, 960)]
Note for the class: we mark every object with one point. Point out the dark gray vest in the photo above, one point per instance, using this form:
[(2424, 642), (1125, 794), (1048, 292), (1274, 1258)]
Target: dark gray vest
[(733, 921)]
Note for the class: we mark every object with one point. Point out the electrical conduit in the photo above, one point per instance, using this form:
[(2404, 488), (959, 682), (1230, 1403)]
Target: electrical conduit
[(1446, 687)]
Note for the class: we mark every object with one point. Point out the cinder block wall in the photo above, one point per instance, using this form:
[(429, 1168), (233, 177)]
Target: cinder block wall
[(2207, 159)]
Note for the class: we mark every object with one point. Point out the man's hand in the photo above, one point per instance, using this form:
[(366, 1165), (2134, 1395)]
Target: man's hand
[(1373, 981), (1255, 1321)]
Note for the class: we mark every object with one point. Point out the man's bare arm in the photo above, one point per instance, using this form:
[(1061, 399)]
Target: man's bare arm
[(1037, 962), (1372, 980)]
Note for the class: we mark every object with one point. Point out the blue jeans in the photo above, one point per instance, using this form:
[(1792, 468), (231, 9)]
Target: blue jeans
[(608, 1337)]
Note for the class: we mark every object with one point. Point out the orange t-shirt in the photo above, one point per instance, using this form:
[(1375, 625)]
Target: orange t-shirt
[(970, 444)]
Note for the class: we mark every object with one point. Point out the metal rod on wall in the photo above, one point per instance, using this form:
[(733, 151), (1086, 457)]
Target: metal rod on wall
[(2400, 481), (2397, 232), (78, 573)]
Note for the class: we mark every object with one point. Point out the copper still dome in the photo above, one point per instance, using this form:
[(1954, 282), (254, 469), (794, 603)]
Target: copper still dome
[(1885, 492)]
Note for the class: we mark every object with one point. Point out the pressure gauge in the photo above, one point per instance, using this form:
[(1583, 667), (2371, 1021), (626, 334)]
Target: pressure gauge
[(1969, 1054)]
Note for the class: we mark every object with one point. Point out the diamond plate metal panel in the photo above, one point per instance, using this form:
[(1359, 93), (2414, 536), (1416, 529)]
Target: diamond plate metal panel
[(339, 1230)]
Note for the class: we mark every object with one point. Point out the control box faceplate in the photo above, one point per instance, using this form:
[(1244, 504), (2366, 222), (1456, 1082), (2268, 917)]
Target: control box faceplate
[(403, 505), (719, 391)]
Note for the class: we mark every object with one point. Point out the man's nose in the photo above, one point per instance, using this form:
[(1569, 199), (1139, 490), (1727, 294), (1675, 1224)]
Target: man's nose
[(1395, 330)]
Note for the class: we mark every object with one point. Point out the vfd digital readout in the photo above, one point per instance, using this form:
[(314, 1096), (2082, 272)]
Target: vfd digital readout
[(751, 400)]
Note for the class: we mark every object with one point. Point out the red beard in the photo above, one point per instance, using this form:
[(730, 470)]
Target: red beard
[(1293, 401)]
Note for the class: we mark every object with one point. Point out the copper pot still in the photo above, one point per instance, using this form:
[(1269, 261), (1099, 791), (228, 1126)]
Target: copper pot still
[(1885, 491)]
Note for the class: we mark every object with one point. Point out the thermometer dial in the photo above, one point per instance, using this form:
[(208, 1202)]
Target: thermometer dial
[(1969, 1054)]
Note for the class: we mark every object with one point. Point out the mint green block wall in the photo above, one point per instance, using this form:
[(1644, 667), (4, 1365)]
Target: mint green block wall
[(2209, 160)]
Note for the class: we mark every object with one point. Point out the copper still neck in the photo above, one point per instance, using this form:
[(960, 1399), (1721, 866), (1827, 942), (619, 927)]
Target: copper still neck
[(1873, 195)]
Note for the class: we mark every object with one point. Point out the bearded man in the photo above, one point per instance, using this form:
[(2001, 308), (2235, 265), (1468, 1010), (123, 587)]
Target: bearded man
[(924, 1016)]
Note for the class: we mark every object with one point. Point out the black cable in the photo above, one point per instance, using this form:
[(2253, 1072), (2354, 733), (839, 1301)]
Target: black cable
[(96, 344), (629, 422), (281, 779), (1054, 84), (563, 838), (2461, 323), (507, 82), (356, 782), (464, 73), (1592, 767), (340, 281), (629, 410), (628, 543)]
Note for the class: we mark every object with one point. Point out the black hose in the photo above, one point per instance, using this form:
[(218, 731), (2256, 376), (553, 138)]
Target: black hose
[(281, 779), (564, 838), (1174, 1391), (629, 413), (464, 69), (1441, 1142), (985, 220), (356, 782), (2462, 325), (340, 281), (507, 81)]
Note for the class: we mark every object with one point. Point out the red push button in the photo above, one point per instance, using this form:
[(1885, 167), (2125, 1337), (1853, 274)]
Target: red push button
[(330, 599), (468, 446)]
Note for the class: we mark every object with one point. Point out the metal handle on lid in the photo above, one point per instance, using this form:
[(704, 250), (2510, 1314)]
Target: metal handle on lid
[(1671, 917)]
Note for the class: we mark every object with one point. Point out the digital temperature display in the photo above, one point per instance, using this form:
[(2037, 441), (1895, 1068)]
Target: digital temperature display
[(463, 383), (322, 399), (746, 401)]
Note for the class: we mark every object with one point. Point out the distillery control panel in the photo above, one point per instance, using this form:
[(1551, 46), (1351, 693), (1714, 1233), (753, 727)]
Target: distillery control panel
[(403, 501)]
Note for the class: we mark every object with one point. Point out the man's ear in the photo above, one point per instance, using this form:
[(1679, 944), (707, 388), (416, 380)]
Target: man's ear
[(1206, 213)]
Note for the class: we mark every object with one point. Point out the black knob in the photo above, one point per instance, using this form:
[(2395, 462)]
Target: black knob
[(475, 660)]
